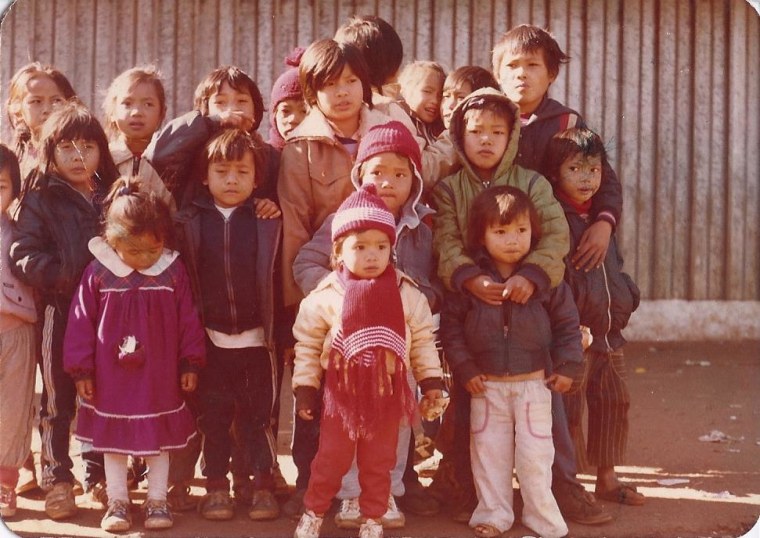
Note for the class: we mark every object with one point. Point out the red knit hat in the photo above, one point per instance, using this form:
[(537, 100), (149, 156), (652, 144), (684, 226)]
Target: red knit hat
[(364, 210), (287, 86), (389, 137)]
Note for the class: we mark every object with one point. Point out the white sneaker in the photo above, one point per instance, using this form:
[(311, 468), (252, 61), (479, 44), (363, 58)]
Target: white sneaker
[(371, 529), (308, 526), (349, 516), (393, 518)]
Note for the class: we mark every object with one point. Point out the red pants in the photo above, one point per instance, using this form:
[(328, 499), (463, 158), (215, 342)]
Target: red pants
[(375, 458)]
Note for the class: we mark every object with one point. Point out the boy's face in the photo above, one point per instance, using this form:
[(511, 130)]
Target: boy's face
[(231, 182), (580, 177), (231, 103), (41, 98), (6, 190), (424, 96), (138, 112), (507, 244), (366, 254), (341, 98), (452, 96), (525, 79), (486, 136), (288, 115), (392, 174)]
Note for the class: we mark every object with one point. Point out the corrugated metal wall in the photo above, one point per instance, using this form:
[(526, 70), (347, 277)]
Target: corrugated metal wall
[(673, 85)]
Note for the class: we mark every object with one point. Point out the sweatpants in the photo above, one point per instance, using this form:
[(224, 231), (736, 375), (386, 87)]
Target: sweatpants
[(605, 392), (237, 384)]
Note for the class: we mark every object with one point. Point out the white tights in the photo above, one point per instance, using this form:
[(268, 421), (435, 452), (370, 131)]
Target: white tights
[(116, 476)]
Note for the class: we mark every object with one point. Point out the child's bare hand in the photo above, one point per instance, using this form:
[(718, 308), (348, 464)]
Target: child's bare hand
[(85, 388), (518, 289), (288, 356), (484, 288), (559, 383), (189, 381), (235, 119), (267, 209), (593, 246), (306, 414), (475, 385)]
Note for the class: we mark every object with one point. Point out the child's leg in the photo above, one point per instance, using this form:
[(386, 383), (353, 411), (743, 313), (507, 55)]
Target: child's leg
[(534, 453), (375, 458), (492, 441), (116, 477), (575, 407), (158, 476), (17, 367), (334, 456)]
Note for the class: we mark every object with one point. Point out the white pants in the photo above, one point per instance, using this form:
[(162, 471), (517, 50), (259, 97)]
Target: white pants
[(511, 427)]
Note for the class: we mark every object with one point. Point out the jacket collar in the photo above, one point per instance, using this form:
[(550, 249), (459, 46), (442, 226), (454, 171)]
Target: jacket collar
[(106, 255), (119, 151), (315, 124)]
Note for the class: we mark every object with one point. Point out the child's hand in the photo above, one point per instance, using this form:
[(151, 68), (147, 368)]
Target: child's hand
[(85, 388), (289, 356), (235, 119), (485, 289), (189, 381), (593, 246), (559, 383), (518, 289), (266, 209), (475, 385), (306, 414)]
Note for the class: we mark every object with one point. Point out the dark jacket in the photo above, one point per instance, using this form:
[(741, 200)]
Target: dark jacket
[(268, 232), (511, 339), (51, 228), (175, 153), (550, 118), (606, 296)]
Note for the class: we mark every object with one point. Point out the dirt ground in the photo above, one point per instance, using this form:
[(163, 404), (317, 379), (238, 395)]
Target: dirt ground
[(694, 488)]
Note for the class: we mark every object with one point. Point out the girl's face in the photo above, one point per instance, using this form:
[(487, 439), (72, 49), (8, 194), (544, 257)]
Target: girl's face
[(507, 244), (139, 251), (340, 100), (580, 177), (392, 175), (76, 161), (424, 97), (230, 102), (6, 190), (138, 112), (231, 182), (366, 254), (288, 115), (452, 96), (41, 98)]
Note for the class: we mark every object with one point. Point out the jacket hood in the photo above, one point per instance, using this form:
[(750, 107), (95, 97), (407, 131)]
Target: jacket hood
[(457, 126)]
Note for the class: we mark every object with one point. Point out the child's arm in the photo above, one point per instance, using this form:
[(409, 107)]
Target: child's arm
[(312, 263), (544, 266), (456, 352), (294, 190), (423, 356), (310, 330), (567, 349), (192, 337), (81, 337)]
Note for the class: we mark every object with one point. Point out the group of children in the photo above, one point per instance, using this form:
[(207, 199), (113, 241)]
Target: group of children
[(163, 278)]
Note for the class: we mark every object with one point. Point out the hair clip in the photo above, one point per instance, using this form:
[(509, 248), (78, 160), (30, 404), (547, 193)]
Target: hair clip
[(125, 190)]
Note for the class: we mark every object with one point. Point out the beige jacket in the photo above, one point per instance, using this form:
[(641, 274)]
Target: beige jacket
[(318, 322), (149, 178)]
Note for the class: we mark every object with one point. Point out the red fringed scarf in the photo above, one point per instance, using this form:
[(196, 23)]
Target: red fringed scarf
[(362, 386)]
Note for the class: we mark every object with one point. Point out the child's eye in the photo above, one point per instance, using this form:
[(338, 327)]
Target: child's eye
[(572, 168), (596, 169), (523, 229)]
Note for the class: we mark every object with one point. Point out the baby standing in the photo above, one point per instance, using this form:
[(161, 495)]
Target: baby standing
[(133, 340)]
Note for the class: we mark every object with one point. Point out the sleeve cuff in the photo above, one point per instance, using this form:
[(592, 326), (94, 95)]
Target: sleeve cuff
[(187, 366), (607, 216), (306, 397), (462, 274), (431, 383), (535, 274), (466, 371), (81, 375), (573, 370)]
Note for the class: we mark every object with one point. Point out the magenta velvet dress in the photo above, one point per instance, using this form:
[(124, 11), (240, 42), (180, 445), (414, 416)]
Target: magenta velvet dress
[(137, 408)]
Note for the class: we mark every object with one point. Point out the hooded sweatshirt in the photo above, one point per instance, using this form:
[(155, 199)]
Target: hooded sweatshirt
[(452, 197)]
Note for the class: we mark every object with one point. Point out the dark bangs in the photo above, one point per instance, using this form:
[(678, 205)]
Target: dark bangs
[(238, 81), (324, 60)]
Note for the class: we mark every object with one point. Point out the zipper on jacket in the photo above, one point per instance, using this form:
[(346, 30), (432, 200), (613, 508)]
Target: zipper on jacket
[(609, 308), (228, 275)]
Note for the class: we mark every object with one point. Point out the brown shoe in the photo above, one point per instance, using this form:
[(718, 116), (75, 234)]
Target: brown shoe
[(264, 506), (59, 501), (576, 504)]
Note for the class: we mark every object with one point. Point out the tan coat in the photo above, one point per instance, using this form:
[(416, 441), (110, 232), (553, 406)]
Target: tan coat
[(150, 181), (318, 322)]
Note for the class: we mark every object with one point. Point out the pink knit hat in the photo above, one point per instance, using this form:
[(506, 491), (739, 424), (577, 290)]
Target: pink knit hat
[(389, 137), (363, 210)]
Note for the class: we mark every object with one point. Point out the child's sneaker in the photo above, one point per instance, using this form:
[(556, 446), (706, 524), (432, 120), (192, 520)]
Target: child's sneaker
[(98, 494), (371, 529), (7, 501), (59, 501), (264, 506), (217, 505), (393, 518), (117, 518), (157, 514), (349, 516), (309, 525)]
